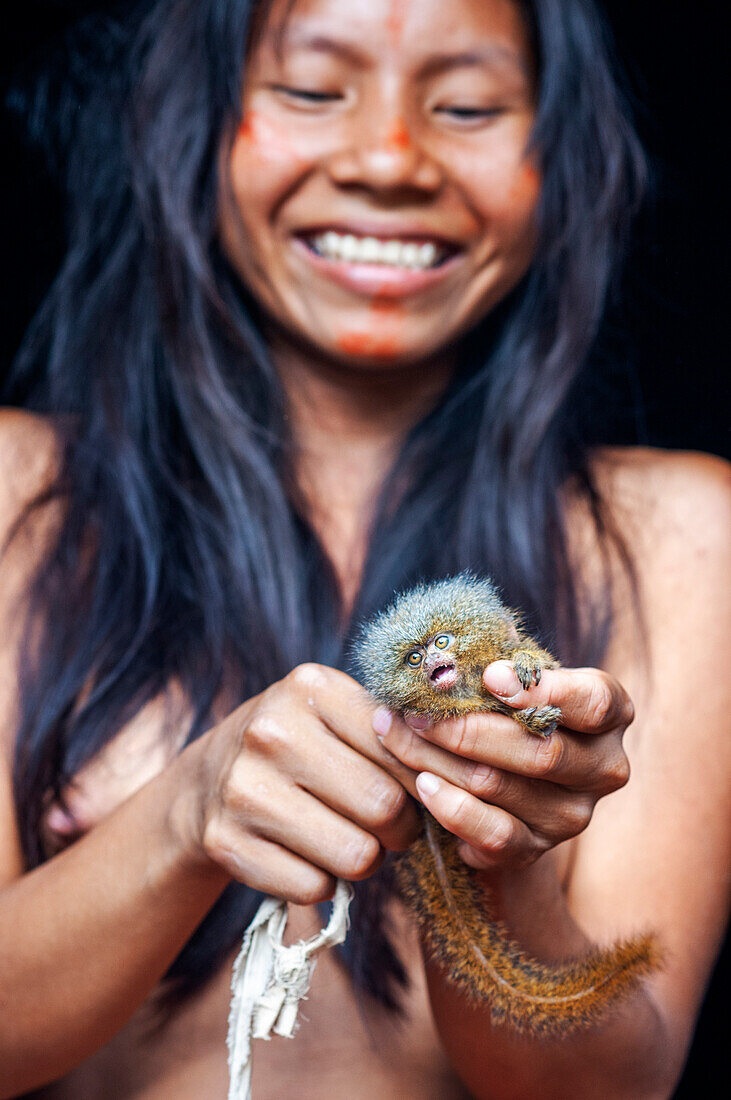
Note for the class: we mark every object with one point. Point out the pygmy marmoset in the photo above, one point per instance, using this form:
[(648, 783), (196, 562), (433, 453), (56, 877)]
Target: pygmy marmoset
[(426, 654)]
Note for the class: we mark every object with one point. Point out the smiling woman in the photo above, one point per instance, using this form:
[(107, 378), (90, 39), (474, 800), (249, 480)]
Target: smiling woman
[(335, 269), (341, 125)]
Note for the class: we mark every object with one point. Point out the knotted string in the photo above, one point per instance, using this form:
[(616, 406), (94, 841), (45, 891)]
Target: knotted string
[(270, 980)]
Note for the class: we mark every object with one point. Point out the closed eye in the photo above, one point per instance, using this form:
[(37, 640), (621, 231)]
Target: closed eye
[(305, 95), (469, 114)]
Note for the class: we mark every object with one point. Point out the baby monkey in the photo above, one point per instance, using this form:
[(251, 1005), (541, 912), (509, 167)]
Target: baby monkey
[(426, 654)]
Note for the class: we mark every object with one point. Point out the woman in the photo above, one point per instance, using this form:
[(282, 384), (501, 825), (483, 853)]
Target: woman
[(318, 334)]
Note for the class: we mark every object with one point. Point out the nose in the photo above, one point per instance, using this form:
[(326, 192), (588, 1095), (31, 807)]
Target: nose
[(385, 155)]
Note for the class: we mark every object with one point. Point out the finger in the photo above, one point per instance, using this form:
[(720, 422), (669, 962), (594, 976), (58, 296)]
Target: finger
[(348, 712), (499, 837), (269, 867), (499, 741), (552, 811), (336, 775), (284, 813), (590, 700)]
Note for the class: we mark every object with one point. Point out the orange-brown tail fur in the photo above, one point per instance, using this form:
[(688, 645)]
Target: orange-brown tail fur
[(478, 955)]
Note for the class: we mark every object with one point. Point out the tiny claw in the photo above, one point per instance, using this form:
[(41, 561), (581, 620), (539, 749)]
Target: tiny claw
[(529, 712), (538, 676)]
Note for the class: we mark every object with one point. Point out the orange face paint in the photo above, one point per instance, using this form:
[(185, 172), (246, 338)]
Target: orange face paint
[(527, 184), (398, 136), (259, 131), (368, 344), (384, 340), (395, 22)]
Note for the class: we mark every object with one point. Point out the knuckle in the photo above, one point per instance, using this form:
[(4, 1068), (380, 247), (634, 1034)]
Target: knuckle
[(265, 735), (618, 772), (361, 856), (628, 712), (464, 735), (308, 675), (549, 756), (498, 833), (212, 839), (233, 788), (410, 747), (486, 782), (600, 703), (462, 811), (579, 815), (388, 801), (312, 888)]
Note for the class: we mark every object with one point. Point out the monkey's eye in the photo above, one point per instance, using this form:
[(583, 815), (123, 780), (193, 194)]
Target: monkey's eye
[(443, 641), (414, 658)]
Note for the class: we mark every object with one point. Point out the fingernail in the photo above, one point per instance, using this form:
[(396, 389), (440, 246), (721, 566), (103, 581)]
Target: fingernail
[(382, 719), (418, 722), (427, 784), (500, 679)]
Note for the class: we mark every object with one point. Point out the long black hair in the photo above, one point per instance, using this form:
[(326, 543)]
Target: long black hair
[(183, 555)]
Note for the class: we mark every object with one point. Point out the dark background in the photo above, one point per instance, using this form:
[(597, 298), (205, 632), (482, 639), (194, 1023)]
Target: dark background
[(671, 387)]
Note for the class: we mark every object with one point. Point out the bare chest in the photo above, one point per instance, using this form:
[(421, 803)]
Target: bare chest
[(344, 1047)]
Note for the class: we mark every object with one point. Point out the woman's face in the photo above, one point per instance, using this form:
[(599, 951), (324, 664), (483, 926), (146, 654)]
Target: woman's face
[(378, 200)]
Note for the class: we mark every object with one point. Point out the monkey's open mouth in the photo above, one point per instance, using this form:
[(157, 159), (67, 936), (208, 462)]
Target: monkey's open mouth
[(443, 677)]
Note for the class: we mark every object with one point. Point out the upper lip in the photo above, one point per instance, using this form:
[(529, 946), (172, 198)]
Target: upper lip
[(433, 663), (403, 231)]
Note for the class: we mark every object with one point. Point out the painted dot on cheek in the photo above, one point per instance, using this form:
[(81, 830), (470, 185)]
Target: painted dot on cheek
[(527, 184), (265, 138)]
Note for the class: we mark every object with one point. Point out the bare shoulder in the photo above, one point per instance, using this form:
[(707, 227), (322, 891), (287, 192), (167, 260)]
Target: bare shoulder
[(673, 511), (29, 452), (667, 503)]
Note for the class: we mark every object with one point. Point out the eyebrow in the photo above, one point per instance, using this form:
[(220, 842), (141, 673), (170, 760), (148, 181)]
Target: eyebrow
[(494, 54)]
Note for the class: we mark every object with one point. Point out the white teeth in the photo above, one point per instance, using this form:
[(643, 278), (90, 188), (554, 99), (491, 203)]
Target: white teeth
[(427, 254), (391, 252), (411, 255), (349, 248), (371, 250)]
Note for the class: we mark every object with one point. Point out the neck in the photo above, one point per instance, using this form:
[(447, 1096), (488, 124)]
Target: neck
[(347, 426)]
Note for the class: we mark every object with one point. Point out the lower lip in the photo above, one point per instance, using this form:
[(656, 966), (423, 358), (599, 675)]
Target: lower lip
[(446, 681), (378, 280)]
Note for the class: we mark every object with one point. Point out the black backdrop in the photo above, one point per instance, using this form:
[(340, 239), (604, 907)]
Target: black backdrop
[(672, 388)]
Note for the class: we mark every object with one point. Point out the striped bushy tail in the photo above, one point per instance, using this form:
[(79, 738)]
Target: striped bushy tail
[(530, 996)]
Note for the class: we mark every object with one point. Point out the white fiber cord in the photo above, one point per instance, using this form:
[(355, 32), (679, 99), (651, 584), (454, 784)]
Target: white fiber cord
[(269, 980)]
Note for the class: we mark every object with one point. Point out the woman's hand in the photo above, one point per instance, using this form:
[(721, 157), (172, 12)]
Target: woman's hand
[(509, 795), (294, 789)]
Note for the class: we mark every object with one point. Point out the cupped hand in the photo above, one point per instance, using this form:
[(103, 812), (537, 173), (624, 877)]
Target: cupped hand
[(293, 788), (507, 794)]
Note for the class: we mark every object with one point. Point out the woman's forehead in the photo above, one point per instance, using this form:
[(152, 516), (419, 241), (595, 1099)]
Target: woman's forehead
[(490, 32)]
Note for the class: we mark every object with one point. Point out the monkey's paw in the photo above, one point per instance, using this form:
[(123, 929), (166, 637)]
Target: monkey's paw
[(539, 720), (528, 667)]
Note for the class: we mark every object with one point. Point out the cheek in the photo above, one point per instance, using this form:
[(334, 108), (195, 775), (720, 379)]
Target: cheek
[(264, 164), (506, 193), (265, 159)]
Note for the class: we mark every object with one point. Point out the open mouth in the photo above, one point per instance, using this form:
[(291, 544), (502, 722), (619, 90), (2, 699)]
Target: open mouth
[(404, 253), (443, 677)]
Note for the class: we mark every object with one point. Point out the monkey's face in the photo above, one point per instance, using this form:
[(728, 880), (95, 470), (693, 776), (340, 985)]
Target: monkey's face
[(430, 644), (435, 662)]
